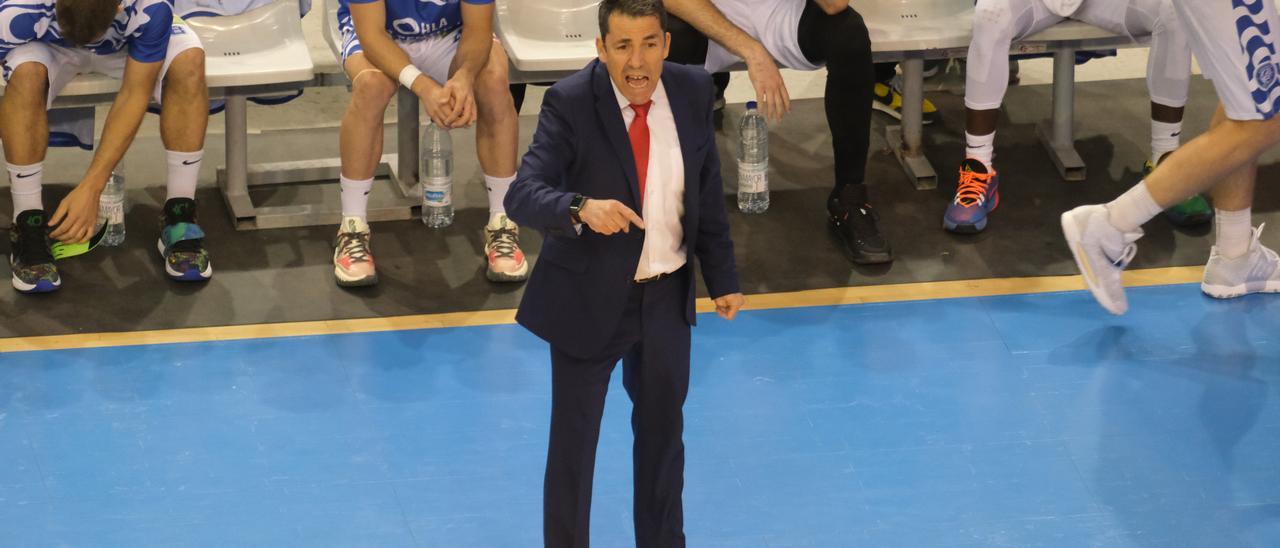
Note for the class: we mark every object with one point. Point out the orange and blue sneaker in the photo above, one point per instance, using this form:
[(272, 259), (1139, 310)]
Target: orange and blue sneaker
[(30, 255), (181, 243), (977, 195)]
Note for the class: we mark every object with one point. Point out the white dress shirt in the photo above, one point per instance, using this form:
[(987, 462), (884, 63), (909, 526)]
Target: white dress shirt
[(664, 250)]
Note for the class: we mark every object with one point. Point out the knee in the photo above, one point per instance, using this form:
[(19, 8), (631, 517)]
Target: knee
[(493, 87), (29, 83), (371, 91), (187, 71), (992, 18), (851, 43)]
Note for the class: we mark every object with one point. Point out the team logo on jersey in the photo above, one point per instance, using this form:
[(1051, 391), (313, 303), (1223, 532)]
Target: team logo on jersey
[(409, 26), (1254, 30)]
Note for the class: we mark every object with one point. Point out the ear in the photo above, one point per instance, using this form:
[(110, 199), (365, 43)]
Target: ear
[(600, 49), (666, 45)]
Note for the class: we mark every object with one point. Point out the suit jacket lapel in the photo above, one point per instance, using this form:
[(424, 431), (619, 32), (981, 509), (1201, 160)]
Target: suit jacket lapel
[(615, 128)]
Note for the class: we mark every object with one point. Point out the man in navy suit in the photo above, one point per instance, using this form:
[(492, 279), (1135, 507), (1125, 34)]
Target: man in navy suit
[(627, 133)]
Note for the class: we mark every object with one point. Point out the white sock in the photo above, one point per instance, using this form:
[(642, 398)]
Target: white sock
[(981, 148), (1234, 231), (355, 197), (497, 187), (184, 171), (25, 183), (1133, 208), (1165, 138)]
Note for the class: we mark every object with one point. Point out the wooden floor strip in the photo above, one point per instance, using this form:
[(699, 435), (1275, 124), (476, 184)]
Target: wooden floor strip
[(767, 301)]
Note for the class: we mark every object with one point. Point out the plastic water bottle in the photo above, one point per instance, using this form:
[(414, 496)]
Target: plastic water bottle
[(753, 161), (111, 210), (436, 176)]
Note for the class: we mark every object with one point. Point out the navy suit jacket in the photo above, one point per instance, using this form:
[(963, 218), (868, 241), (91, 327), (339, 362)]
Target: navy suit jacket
[(577, 292)]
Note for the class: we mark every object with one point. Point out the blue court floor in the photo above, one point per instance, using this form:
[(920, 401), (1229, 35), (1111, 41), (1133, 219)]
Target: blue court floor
[(1032, 420)]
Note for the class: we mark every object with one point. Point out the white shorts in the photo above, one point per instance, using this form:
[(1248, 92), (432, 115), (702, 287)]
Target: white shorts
[(64, 64), (777, 27), (1235, 42), (432, 55)]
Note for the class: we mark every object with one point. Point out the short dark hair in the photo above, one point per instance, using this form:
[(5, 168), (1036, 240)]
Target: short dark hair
[(631, 8), (84, 21)]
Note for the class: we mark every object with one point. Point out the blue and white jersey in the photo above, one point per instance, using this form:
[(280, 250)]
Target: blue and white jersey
[(411, 20), (188, 9), (143, 27)]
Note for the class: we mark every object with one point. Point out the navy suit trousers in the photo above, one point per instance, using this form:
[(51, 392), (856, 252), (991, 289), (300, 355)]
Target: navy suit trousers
[(652, 340)]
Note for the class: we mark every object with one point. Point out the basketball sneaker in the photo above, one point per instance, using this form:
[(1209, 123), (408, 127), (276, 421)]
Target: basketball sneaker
[(503, 257), (977, 195), (30, 258), (1101, 252), (352, 256), (1257, 271), (888, 99), (181, 243)]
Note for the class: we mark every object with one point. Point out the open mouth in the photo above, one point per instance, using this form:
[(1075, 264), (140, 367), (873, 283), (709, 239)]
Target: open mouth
[(637, 82)]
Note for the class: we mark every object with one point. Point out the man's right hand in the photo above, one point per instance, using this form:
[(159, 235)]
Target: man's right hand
[(771, 91), (609, 217)]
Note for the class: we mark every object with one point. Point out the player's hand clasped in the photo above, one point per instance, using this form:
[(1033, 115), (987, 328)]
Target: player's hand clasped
[(452, 105), (609, 217)]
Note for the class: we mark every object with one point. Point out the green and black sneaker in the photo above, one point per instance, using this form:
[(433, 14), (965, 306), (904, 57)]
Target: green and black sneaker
[(30, 258), (1193, 211)]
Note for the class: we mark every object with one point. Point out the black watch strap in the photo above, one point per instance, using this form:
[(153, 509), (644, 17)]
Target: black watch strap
[(575, 207)]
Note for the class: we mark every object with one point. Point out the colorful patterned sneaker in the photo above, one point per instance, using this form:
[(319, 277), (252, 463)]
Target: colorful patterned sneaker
[(888, 99), (30, 257), (352, 257), (1193, 211), (1257, 271), (502, 251), (181, 243), (1101, 252), (977, 195)]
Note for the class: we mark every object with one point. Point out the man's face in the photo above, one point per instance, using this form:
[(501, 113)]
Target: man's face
[(633, 52)]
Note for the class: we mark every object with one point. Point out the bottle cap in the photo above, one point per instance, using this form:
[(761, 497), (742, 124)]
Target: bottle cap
[(751, 105)]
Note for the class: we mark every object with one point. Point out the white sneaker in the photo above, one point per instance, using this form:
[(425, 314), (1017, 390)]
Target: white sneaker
[(1102, 252), (1257, 271), (352, 256), (503, 258)]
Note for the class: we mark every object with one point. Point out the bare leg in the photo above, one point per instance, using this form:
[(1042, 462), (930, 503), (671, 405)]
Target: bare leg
[(360, 139), (24, 119), (184, 117), (497, 127), (1224, 159)]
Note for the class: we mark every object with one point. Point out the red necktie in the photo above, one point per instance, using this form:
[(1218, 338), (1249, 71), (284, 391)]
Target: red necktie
[(639, 134)]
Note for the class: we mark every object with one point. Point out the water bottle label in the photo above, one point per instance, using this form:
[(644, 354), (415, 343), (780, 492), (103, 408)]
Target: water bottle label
[(115, 214), (437, 192), (752, 178)]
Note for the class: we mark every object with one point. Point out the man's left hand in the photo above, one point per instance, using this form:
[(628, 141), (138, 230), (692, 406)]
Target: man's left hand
[(728, 306), (77, 215)]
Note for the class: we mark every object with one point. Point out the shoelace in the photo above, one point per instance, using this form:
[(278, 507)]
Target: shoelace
[(1270, 255), (972, 188), (34, 246), (354, 245), (504, 241), (1126, 256)]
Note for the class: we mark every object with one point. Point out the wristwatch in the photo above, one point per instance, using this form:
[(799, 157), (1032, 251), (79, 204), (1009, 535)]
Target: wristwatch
[(575, 207)]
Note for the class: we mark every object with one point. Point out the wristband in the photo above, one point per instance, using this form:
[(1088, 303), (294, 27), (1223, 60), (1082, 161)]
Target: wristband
[(408, 75)]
